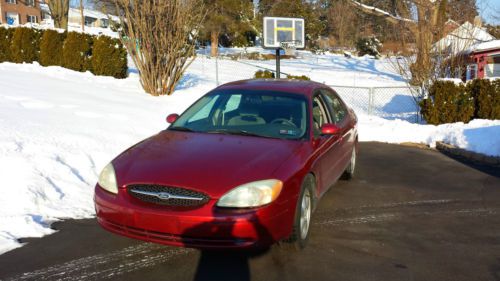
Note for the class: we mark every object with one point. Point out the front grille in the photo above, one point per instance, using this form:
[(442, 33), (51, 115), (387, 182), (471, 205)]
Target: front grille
[(166, 195)]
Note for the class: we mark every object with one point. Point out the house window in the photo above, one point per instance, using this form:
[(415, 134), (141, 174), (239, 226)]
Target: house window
[(12, 18), (90, 21), (11, 1), (30, 3), (471, 72), (104, 23), (31, 19)]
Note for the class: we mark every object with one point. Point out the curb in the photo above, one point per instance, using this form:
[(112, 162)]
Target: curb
[(469, 155)]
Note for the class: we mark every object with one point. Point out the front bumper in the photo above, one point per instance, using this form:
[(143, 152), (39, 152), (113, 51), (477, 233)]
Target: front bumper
[(206, 227)]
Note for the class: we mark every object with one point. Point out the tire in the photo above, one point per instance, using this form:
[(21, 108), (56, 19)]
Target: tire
[(303, 213), (351, 168)]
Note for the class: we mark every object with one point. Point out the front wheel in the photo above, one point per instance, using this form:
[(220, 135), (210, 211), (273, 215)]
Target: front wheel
[(349, 171), (303, 212)]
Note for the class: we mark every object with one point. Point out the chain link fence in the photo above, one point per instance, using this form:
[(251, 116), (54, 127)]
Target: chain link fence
[(390, 102)]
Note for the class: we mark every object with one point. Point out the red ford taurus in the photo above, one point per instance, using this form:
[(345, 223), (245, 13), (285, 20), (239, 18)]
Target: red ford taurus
[(243, 167)]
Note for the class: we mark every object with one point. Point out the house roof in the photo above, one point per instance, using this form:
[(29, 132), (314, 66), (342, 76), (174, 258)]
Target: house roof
[(485, 46), (462, 38)]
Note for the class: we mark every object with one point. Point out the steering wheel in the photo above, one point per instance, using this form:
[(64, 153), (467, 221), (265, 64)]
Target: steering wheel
[(283, 121)]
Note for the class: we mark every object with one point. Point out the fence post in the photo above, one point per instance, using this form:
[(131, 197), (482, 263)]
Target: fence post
[(217, 70), (370, 101)]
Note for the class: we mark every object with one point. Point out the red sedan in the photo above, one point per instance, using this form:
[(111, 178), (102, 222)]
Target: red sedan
[(243, 167)]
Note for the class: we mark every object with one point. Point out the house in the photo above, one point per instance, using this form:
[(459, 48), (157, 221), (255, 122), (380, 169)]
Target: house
[(17, 12), (483, 61), (92, 18), (469, 52), (462, 38)]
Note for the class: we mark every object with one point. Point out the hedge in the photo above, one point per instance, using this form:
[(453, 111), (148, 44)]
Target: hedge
[(109, 57), (77, 51), (25, 45), (51, 47), (102, 55), (5, 40), (449, 102)]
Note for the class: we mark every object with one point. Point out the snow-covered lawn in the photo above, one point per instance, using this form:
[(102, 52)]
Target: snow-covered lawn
[(59, 128)]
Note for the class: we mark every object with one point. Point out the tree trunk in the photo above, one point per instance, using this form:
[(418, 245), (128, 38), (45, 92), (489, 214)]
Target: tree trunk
[(59, 12), (214, 37), (82, 16)]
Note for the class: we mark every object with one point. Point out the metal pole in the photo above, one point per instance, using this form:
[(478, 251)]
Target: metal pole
[(278, 63), (217, 70)]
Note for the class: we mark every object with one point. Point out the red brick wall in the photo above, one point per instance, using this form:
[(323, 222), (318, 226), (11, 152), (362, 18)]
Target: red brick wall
[(20, 8)]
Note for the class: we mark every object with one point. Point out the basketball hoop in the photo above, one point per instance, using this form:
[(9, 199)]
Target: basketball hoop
[(289, 45), (283, 33)]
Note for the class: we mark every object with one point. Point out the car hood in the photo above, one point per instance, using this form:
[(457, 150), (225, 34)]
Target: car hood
[(210, 163)]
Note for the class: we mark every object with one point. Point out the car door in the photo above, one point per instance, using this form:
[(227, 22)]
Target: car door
[(326, 146), (340, 117)]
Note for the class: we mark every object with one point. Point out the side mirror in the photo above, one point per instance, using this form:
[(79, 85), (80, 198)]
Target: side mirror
[(329, 129), (172, 117)]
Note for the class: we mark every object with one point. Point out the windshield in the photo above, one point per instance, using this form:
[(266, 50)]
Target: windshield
[(253, 113)]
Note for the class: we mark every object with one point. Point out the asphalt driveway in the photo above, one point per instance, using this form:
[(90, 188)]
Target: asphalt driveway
[(409, 214)]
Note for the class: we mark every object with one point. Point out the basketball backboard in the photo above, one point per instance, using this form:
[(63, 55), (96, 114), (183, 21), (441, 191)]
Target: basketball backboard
[(284, 31)]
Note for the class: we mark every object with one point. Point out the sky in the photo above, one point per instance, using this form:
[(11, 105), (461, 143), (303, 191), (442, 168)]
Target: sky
[(489, 9)]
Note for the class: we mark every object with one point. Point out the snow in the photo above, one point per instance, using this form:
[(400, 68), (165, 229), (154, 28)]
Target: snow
[(60, 128), (494, 44), (482, 136)]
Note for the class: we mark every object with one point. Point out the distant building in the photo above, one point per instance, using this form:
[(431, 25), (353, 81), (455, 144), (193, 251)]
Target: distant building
[(92, 18), (483, 61), (461, 38), (16, 12)]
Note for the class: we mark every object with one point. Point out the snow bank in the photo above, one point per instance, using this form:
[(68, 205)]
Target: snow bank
[(482, 136)]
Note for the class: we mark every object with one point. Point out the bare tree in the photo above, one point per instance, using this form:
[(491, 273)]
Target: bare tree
[(159, 36), (426, 24), (59, 12)]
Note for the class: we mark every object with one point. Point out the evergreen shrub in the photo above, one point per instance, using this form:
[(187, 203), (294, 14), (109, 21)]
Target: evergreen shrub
[(109, 58), (51, 47), (77, 51), (25, 45)]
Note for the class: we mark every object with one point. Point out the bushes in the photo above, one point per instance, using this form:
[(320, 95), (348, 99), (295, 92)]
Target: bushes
[(449, 102), (5, 40), (270, 74), (109, 58), (71, 50), (25, 45), (51, 47), (77, 51), (297, 77), (264, 74), (368, 46), (486, 96)]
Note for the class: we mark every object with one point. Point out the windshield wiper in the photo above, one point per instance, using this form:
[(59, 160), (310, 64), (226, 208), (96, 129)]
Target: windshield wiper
[(180, 128), (236, 132)]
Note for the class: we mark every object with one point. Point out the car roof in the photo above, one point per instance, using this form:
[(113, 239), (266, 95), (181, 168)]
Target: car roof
[(302, 87)]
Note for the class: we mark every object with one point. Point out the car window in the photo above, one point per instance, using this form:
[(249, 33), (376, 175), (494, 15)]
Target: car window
[(320, 116), (339, 110), (248, 112), (204, 107)]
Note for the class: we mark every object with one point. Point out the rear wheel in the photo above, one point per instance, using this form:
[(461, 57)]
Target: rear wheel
[(349, 171), (303, 212)]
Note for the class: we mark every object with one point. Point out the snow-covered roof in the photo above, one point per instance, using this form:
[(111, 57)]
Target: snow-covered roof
[(486, 46), (90, 13), (462, 39)]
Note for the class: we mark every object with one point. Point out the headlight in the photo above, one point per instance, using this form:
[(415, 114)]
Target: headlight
[(252, 194), (107, 179)]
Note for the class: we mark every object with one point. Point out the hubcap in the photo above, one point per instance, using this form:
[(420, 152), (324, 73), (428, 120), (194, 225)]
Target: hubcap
[(353, 160), (305, 214)]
